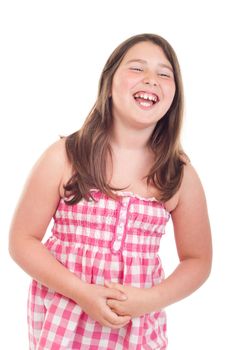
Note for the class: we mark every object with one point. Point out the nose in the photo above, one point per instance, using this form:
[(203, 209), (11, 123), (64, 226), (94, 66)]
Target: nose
[(151, 79)]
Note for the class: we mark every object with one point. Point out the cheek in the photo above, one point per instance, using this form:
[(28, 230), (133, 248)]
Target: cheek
[(124, 83), (170, 92)]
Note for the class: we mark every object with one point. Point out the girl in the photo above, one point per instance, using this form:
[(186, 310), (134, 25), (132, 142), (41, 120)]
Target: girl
[(111, 187)]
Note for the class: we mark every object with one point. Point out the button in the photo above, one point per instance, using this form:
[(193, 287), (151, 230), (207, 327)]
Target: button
[(116, 245), (120, 229), (123, 215), (119, 237), (124, 203)]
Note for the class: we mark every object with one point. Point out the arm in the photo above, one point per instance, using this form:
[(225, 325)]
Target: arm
[(35, 210), (193, 242)]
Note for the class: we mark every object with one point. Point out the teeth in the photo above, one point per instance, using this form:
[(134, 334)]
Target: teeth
[(147, 97), (145, 104)]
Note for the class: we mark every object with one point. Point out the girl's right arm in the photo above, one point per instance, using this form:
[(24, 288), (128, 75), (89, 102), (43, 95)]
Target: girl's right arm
[(34, 212)]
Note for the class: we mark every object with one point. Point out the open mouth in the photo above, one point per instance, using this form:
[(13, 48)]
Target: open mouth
[(145, 99)]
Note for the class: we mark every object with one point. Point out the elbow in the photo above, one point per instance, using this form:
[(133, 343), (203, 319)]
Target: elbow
[(205, 269), (199, 268), (13, 249), (203, 266), (22, 248), (208, 268), (208, 262), (16, 247)]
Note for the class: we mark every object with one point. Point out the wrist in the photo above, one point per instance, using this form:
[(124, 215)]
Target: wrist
[(77, 289), (153, 299)]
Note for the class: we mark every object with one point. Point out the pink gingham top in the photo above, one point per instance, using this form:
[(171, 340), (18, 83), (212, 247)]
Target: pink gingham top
[(98, 240)]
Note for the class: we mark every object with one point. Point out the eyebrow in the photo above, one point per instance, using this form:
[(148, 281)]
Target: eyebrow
[(145, 62)]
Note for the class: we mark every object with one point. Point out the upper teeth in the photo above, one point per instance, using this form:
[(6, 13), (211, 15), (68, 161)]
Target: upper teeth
[(146, 96)]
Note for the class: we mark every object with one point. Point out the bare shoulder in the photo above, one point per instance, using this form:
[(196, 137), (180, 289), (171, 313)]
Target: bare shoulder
[(48, 174), (191, 207), (190, 186), (55, 164), (56, 153), (42, 192)]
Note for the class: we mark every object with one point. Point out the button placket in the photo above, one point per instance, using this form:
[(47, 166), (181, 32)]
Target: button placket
[(119, 233)]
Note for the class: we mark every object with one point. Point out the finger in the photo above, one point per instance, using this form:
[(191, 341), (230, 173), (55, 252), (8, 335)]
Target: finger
[(122, 319), (116, 307), (108, 284), (116, 294), (119, 323), (113, 307), (111, 303), (114, 319), (111, 284), (117, 287), (113, 326)]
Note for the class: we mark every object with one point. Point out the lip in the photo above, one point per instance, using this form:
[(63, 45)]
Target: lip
[(148, 92), (145, 108)]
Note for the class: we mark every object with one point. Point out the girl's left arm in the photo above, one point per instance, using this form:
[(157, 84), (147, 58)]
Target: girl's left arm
[(194, 247), (193, 242)]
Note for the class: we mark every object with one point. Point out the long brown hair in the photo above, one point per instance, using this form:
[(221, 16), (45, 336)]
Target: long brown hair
[(87, 149)]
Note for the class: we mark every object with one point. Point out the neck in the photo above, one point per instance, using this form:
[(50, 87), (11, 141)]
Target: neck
[(130, 139)]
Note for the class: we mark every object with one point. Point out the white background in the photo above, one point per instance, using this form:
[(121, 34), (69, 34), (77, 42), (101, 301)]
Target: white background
[(52, 53)]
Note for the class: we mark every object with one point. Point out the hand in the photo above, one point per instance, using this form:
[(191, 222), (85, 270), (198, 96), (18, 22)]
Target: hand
[(138, 300), (93, 300)]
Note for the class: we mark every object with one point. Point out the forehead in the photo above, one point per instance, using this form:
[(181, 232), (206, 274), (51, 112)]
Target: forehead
[(147, 51)]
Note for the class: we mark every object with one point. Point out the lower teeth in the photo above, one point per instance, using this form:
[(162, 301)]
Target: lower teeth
[(146, 104)]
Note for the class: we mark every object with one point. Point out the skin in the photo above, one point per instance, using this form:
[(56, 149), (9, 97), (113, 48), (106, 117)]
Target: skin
[(133, 76), (188, 207), (131, 129), (43, 190)]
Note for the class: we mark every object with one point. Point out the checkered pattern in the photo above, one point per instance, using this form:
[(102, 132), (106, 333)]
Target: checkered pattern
[(98, 240)]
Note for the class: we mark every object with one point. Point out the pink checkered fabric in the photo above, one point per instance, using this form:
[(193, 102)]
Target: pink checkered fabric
[(98, 240)]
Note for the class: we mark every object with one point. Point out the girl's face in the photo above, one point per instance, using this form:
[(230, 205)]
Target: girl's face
[(143, 86)]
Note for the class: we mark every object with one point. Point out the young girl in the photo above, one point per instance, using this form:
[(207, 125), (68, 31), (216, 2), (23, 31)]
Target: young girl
[(111, 187)]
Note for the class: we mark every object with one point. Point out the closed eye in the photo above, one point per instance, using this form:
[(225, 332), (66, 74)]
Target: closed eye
[(136, 69), (169, 75), (165, 75)]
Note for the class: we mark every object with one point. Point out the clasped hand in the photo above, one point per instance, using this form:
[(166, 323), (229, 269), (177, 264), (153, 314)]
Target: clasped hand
[(136, 304), (113, 305)]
